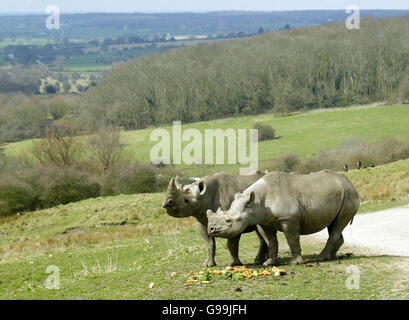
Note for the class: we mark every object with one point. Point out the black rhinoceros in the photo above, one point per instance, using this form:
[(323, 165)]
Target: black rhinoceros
[(295, 204), (211, 192)]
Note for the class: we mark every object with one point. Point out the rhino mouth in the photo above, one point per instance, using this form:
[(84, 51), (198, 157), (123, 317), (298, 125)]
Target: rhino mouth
[(173, 211), (218, 232)]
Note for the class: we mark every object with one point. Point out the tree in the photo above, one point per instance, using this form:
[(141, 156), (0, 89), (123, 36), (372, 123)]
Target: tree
[(50, 89), (404, 91), (66, 86), (106, 145), (58, 147)]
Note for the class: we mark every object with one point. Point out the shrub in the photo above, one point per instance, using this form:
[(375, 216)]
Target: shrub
[(40, 187), (349, 152), (16, 195), (286, 163), (307, 166), (123, 178), (265, 131), (63, 186)]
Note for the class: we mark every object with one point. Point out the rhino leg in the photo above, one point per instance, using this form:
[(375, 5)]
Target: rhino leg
[(210, 246), (334, 242), (335, 239), (270, 238), (331, 247), (262, 254), (337, 245), (233, 247), (292, 235)]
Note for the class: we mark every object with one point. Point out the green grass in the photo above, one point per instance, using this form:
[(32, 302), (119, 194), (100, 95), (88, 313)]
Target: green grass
[(124, 269), (302, 134), (114, 247), (382, 187)]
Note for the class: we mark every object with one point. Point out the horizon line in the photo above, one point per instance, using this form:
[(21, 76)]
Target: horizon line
[(20, 13)]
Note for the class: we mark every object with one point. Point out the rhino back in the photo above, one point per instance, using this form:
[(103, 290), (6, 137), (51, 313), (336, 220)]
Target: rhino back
[(221, 188), (312, 198)]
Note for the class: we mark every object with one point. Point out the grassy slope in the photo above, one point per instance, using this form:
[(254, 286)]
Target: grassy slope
[(114, 247), (303, 134)]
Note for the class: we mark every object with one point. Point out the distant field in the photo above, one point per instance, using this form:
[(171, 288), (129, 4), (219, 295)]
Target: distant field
[(95, 61), (302, 134)]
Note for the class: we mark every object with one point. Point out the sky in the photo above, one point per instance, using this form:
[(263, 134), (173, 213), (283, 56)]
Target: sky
[(67, 6)]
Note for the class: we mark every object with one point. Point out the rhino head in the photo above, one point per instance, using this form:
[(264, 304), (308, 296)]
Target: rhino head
[(183, 201), (232, 222)]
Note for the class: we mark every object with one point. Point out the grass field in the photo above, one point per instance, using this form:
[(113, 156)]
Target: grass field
[(114, 247), (303, 134), (85, 62)]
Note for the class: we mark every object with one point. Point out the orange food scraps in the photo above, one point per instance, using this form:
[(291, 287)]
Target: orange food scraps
[(231, 273)]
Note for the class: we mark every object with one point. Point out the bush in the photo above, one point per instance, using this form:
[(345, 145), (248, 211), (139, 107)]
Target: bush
[(286, 163), (349, 152), (265, 131), (122, 178), (65, 186), (16, 195), (41, 187)]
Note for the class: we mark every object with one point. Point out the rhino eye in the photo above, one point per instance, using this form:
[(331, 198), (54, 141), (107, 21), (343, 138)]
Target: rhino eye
[(228, 220)]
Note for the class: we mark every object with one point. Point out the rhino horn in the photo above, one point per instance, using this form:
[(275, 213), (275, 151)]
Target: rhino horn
[(172, 185), (178, 183)]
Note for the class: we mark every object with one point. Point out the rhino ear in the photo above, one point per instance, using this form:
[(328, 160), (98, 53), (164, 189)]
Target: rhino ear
[(209, 213), (178, 183), (202, 188), (251, 199)]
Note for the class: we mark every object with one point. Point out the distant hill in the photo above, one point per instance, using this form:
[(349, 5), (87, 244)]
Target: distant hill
[(280, 72), (102, 25)]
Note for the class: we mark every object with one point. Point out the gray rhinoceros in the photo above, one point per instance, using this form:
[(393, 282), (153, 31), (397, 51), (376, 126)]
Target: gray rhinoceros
[(211, 192), (296, 204)]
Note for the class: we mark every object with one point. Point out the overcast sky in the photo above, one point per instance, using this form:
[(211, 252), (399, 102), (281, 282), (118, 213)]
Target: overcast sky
[(192, 5)]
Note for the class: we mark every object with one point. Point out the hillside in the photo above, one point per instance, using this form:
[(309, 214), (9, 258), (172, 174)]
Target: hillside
[(303, 135), (281, 71), (127, 216), (114, 247)]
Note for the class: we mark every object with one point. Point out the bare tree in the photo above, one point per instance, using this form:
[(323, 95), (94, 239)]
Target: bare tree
[(59, 146), (106, 145)]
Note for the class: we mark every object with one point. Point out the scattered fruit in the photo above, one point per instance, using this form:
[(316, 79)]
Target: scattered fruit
[(231, 273)]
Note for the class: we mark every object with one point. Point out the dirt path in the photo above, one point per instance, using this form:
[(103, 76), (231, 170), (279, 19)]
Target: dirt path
[(383, 232)]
